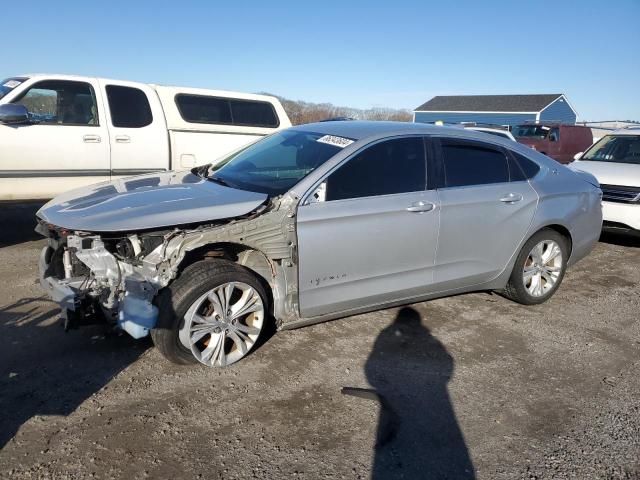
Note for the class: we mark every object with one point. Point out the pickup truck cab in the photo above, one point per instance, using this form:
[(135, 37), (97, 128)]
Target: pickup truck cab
[(60, 132), (558, 141)]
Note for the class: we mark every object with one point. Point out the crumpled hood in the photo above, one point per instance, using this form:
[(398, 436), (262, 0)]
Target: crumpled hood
[(148, 201), (610, 173)]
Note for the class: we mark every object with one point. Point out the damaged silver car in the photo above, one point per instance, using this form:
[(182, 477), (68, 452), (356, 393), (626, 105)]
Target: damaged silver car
[(312, 223)]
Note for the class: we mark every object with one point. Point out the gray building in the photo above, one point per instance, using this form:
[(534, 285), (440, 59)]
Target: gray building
[(496, 109)]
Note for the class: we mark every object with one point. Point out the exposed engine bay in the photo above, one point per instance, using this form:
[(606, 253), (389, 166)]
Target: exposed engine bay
[(115, 276)]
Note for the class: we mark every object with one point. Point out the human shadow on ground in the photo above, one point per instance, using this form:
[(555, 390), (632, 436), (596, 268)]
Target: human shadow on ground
[(418, 435), (45, 371)]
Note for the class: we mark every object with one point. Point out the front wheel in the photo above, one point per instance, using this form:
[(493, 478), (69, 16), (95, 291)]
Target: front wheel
[(539, 268), (213, 314)]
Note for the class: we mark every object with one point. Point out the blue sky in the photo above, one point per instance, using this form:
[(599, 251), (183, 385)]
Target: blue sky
[(359, 53)]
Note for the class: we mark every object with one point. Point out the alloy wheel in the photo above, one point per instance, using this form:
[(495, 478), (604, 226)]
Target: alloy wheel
[(542, 268), (224, 324)]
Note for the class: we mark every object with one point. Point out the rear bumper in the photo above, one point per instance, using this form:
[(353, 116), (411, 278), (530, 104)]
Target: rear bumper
[(622, 213)]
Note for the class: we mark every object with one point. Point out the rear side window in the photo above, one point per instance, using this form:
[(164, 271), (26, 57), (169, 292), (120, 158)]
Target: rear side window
[(528, 168), (472, 164), (392, 166), (129, 107), (226, 111)]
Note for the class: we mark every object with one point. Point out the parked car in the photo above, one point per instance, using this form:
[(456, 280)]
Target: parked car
[(494, 131), (615, 161), (59, 132), (559, 141), (316, 222)]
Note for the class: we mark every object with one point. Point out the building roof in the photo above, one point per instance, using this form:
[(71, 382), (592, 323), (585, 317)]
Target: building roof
[(488, 103)]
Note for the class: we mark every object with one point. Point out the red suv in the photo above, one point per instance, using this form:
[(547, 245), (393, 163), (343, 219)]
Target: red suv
[(558, 141)]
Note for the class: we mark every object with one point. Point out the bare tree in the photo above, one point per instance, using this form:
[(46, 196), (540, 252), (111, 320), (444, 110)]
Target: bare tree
[(301, 112)]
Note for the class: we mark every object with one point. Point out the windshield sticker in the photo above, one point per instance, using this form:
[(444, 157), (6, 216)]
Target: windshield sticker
[(336, 141), (12, 84)]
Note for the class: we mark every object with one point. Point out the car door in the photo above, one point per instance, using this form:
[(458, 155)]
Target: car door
[(371, 238), (137, 128), (65, 145), (487, 206)]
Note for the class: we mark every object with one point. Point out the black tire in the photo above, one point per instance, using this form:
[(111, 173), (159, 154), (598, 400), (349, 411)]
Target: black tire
[(515, 289), (174, 301)]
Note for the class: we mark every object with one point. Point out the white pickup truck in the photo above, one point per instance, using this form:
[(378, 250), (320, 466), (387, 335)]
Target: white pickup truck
[(59, 132)]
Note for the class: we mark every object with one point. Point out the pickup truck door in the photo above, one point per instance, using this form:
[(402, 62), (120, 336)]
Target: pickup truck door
[(65, 146), (137, 128)]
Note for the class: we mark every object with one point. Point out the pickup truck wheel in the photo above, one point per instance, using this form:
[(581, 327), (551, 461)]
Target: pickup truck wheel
[(212, 314), (539, 268)]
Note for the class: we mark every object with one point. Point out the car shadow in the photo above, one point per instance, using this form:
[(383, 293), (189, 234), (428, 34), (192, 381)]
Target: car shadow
[(418, 435), (622, 239), (17, 222), (45, 371)]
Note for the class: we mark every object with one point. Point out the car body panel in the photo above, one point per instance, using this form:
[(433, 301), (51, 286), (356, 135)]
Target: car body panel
[(365, 251), (492, 230), (611, 173), (148, 201)]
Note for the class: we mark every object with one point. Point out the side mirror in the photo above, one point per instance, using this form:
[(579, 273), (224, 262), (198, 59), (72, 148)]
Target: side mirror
[(577, 155), (12, 114)]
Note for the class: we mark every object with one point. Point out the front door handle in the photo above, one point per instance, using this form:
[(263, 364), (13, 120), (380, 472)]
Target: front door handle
[(420, 207), (91, 139), (511, 198), (123, 139)]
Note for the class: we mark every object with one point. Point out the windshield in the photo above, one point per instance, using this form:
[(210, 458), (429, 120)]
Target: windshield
[(9, 84), (278, 162), (615, 148), (531, 131)]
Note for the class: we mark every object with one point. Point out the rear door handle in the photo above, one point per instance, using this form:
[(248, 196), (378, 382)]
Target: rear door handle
[(91, 139), (511, 198), (123, 139), (420, 207)]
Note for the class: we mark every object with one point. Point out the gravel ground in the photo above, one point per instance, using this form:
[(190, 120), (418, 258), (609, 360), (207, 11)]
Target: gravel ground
[(471, 386)]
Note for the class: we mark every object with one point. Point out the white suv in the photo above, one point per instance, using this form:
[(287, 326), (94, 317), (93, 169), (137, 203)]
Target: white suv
[(615, 161)]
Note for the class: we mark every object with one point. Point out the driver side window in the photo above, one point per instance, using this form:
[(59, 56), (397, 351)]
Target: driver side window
[(388, 167), (61, 102)]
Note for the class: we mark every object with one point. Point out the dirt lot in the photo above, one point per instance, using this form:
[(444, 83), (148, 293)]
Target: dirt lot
[(472, 385)]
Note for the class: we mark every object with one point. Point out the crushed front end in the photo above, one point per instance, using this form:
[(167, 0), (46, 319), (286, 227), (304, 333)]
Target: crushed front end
[(96, 279)]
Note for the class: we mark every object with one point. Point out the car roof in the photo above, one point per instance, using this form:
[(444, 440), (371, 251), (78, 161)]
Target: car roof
[(365, 130), (626, 131), (360, 129)]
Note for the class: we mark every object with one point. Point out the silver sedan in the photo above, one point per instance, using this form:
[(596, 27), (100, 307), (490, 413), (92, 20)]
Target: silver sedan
[(312, 223)]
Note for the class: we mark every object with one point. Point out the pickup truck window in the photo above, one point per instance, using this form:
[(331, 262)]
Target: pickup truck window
[(61, 102), (226, 111), (9, 84), (129, 107), (531, 131), (275, 164)]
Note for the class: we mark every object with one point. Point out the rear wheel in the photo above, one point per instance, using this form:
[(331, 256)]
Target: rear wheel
[(539, 268), (212, 314)]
